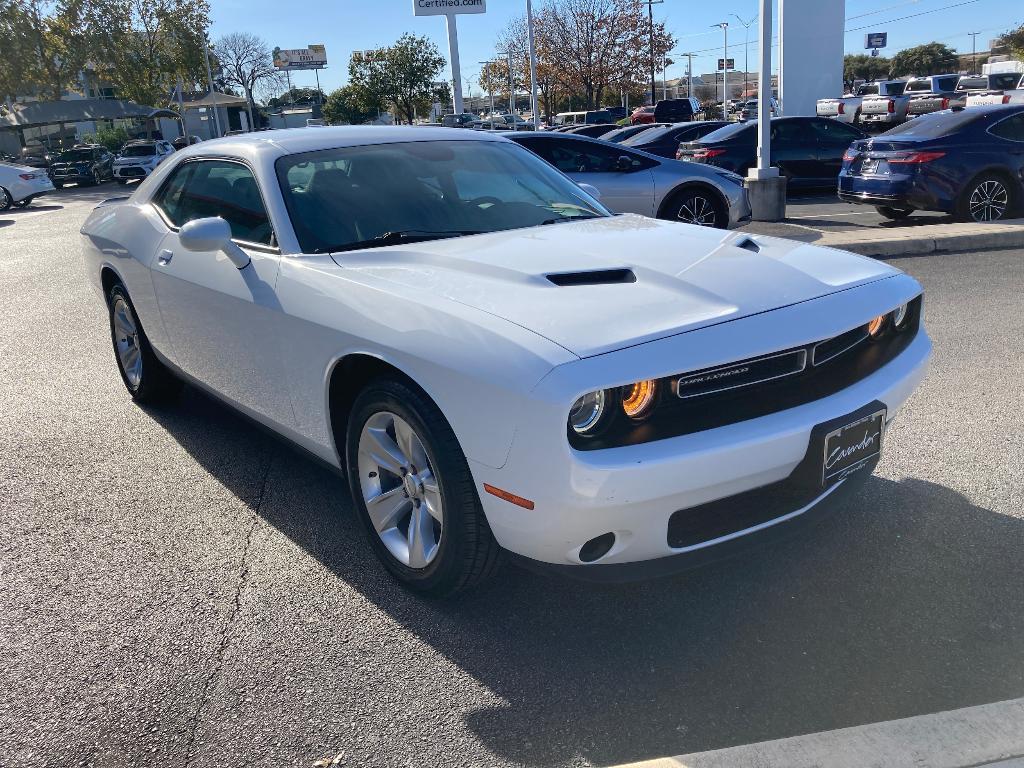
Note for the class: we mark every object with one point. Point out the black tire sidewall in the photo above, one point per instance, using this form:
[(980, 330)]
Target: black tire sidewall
[(444, 574), (963, 207), (157, 383), (680, 197)]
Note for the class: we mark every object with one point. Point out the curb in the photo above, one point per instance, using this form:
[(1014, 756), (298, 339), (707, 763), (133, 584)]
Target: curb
[(984, 735)]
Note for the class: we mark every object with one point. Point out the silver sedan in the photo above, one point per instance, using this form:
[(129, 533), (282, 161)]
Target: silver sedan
[(632, 181)]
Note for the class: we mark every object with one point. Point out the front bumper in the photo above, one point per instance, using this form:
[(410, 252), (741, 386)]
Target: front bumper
[(71, 176), (132, 171), (635, 491), (886, 118)]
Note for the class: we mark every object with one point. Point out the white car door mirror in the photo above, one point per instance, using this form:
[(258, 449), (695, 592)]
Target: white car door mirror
[(212, 234), (591, 190)]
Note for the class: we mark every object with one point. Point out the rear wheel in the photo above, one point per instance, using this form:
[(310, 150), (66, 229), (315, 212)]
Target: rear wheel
[(895, 214), (96, 179), (414, 493), (5, 199), (986, 198), (148, 380), (697, 206)]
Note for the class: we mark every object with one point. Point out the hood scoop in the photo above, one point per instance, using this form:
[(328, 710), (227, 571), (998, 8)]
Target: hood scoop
[(593, 277)]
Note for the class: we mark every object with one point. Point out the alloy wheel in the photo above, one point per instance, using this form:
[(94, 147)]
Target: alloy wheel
[(699, 210), (126, 340), (400, 489), (5, 199), (988, 201)]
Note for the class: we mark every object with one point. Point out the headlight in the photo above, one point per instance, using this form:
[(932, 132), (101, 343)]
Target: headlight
[(586, 412), (899, 315), (638, 399), (876, 326)]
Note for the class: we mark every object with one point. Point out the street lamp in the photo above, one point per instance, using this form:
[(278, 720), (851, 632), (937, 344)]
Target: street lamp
[(725, 69), (650, 17), (746, 51), (689, 73)]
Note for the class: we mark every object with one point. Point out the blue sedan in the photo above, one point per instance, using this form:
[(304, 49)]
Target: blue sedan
[(969, 163)]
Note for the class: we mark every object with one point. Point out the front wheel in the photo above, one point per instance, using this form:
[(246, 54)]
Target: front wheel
[(699, 207), (96, 179), (894, 214), (414, 493), (986, 198), (148, 380)]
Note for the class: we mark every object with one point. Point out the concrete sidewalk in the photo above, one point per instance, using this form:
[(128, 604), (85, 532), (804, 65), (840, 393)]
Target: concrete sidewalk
[(895, 241), (986, 735)]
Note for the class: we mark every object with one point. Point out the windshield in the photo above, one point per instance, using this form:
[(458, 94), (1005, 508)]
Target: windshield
[(76, 156), (972, 83), (1005, 80), (919, 86), (643, 137), (868, 90), (730, 131), (139, 150), (349, 197), (934, 125)]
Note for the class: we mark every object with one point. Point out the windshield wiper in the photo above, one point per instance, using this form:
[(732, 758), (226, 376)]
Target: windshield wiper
[(399, 236), (560, 219)]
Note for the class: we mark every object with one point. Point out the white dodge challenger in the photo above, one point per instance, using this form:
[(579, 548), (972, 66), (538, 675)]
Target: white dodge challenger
[(496, 362)]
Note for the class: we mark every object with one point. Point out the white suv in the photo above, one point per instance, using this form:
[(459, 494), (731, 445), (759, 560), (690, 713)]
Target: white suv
[(138, 159)]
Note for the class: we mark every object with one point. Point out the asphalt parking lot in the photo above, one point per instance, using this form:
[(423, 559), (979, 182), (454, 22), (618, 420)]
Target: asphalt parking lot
[(179, 589)]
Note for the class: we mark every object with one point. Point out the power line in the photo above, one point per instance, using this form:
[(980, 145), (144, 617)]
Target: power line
[(915, 15)]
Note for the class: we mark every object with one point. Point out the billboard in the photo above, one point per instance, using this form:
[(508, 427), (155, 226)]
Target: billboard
[(312, 57), (726, 64), (446, 7), (875, 40)]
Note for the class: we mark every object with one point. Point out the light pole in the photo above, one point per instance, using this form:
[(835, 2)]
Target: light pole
[(533, 66), (746, 51), (650, 18), (725, 69), (689, 73), (974, 51)]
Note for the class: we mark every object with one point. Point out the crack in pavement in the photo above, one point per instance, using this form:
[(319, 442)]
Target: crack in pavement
[(222, 645)]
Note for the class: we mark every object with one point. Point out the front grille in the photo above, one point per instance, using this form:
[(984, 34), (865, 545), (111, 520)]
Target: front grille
[(131, 171), (831, 366)]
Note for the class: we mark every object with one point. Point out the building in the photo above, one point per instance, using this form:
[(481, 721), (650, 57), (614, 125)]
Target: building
[(232, 114)]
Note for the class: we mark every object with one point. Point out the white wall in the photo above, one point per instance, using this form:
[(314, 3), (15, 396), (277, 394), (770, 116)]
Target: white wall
[(810, 53)]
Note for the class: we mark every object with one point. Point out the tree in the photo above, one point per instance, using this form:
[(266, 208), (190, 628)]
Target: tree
[(44, 46), (296, 95), (861, 67), (924, 59), (403, 74), (245, 62), (347, 105), (1014, 40), (142, 46)]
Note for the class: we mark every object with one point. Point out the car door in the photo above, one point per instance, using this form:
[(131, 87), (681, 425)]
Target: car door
[(833, 139), (795, 151), (220, 320), (629, 189)]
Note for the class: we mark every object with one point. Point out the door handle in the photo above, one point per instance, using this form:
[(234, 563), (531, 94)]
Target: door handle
[(165, 258)]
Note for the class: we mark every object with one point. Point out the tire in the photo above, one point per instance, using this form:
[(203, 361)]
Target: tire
[(151, 382), (96, 180), (894, 214), (58, 185), (697, 205), (456, 551), (988, 197), (5, 200)]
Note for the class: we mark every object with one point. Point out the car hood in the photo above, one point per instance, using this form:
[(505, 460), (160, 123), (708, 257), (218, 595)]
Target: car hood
[(659, 278)]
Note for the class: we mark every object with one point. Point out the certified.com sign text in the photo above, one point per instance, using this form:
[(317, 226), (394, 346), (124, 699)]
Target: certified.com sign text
[(444, 7)]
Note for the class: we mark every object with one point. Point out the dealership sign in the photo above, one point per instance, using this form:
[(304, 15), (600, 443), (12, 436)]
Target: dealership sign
[(876, 40), (447, 7), (313, 57), (724, 64)]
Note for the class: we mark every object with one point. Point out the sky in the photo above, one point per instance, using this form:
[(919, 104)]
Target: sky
[(347, 25)]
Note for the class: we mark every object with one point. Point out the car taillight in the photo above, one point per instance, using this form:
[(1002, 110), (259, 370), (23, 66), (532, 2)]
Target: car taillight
[(26, 176), (892, 107), (945, 103), (703, 154), (679, 154), (842, 108), (1006, 99), (849, 155), (916, 157)]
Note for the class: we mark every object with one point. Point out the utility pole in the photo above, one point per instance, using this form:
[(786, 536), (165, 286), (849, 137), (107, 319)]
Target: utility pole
[(974, 52), (725, 69), (209, 80), (511, 85), (533, 66), (490, 90), (650, 18), (746, 51)]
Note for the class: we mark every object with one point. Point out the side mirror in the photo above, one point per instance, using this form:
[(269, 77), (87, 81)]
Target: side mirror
[(591, 190), (212, 234), (624, 163)]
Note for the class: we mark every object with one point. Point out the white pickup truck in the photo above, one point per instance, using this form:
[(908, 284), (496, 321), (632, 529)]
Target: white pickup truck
[(1014, 94), (848, 108)]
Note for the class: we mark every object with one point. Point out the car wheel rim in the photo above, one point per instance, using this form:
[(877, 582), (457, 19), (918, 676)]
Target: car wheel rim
[(989, 201), (697, 210), (400, 489), (5, 199), (126, 340)]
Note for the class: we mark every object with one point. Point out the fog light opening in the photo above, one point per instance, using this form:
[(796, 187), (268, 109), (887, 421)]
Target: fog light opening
[(597, 547)]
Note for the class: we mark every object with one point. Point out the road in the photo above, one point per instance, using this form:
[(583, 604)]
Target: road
[(178, 589)]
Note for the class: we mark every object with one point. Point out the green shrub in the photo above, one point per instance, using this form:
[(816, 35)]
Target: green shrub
[(111, 138)]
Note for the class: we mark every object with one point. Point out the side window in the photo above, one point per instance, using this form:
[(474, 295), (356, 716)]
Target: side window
[(204, 188), (833, 132), (948, 83), (586, 157), (790, 133), (1011, 128)]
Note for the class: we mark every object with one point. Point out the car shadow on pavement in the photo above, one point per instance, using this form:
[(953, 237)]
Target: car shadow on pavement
[(905, 599), (33, 209)]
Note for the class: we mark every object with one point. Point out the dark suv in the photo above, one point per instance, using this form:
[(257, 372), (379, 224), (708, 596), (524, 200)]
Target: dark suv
[(465, 120), (82, 164), (676, 110)]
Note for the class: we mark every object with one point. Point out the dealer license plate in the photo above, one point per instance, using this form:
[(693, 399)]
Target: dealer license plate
[(851, 448)]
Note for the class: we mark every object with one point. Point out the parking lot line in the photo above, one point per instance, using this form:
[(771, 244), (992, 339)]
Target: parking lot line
[(974, 736)]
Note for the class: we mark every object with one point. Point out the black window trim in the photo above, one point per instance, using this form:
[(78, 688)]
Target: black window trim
[(272, 249)]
